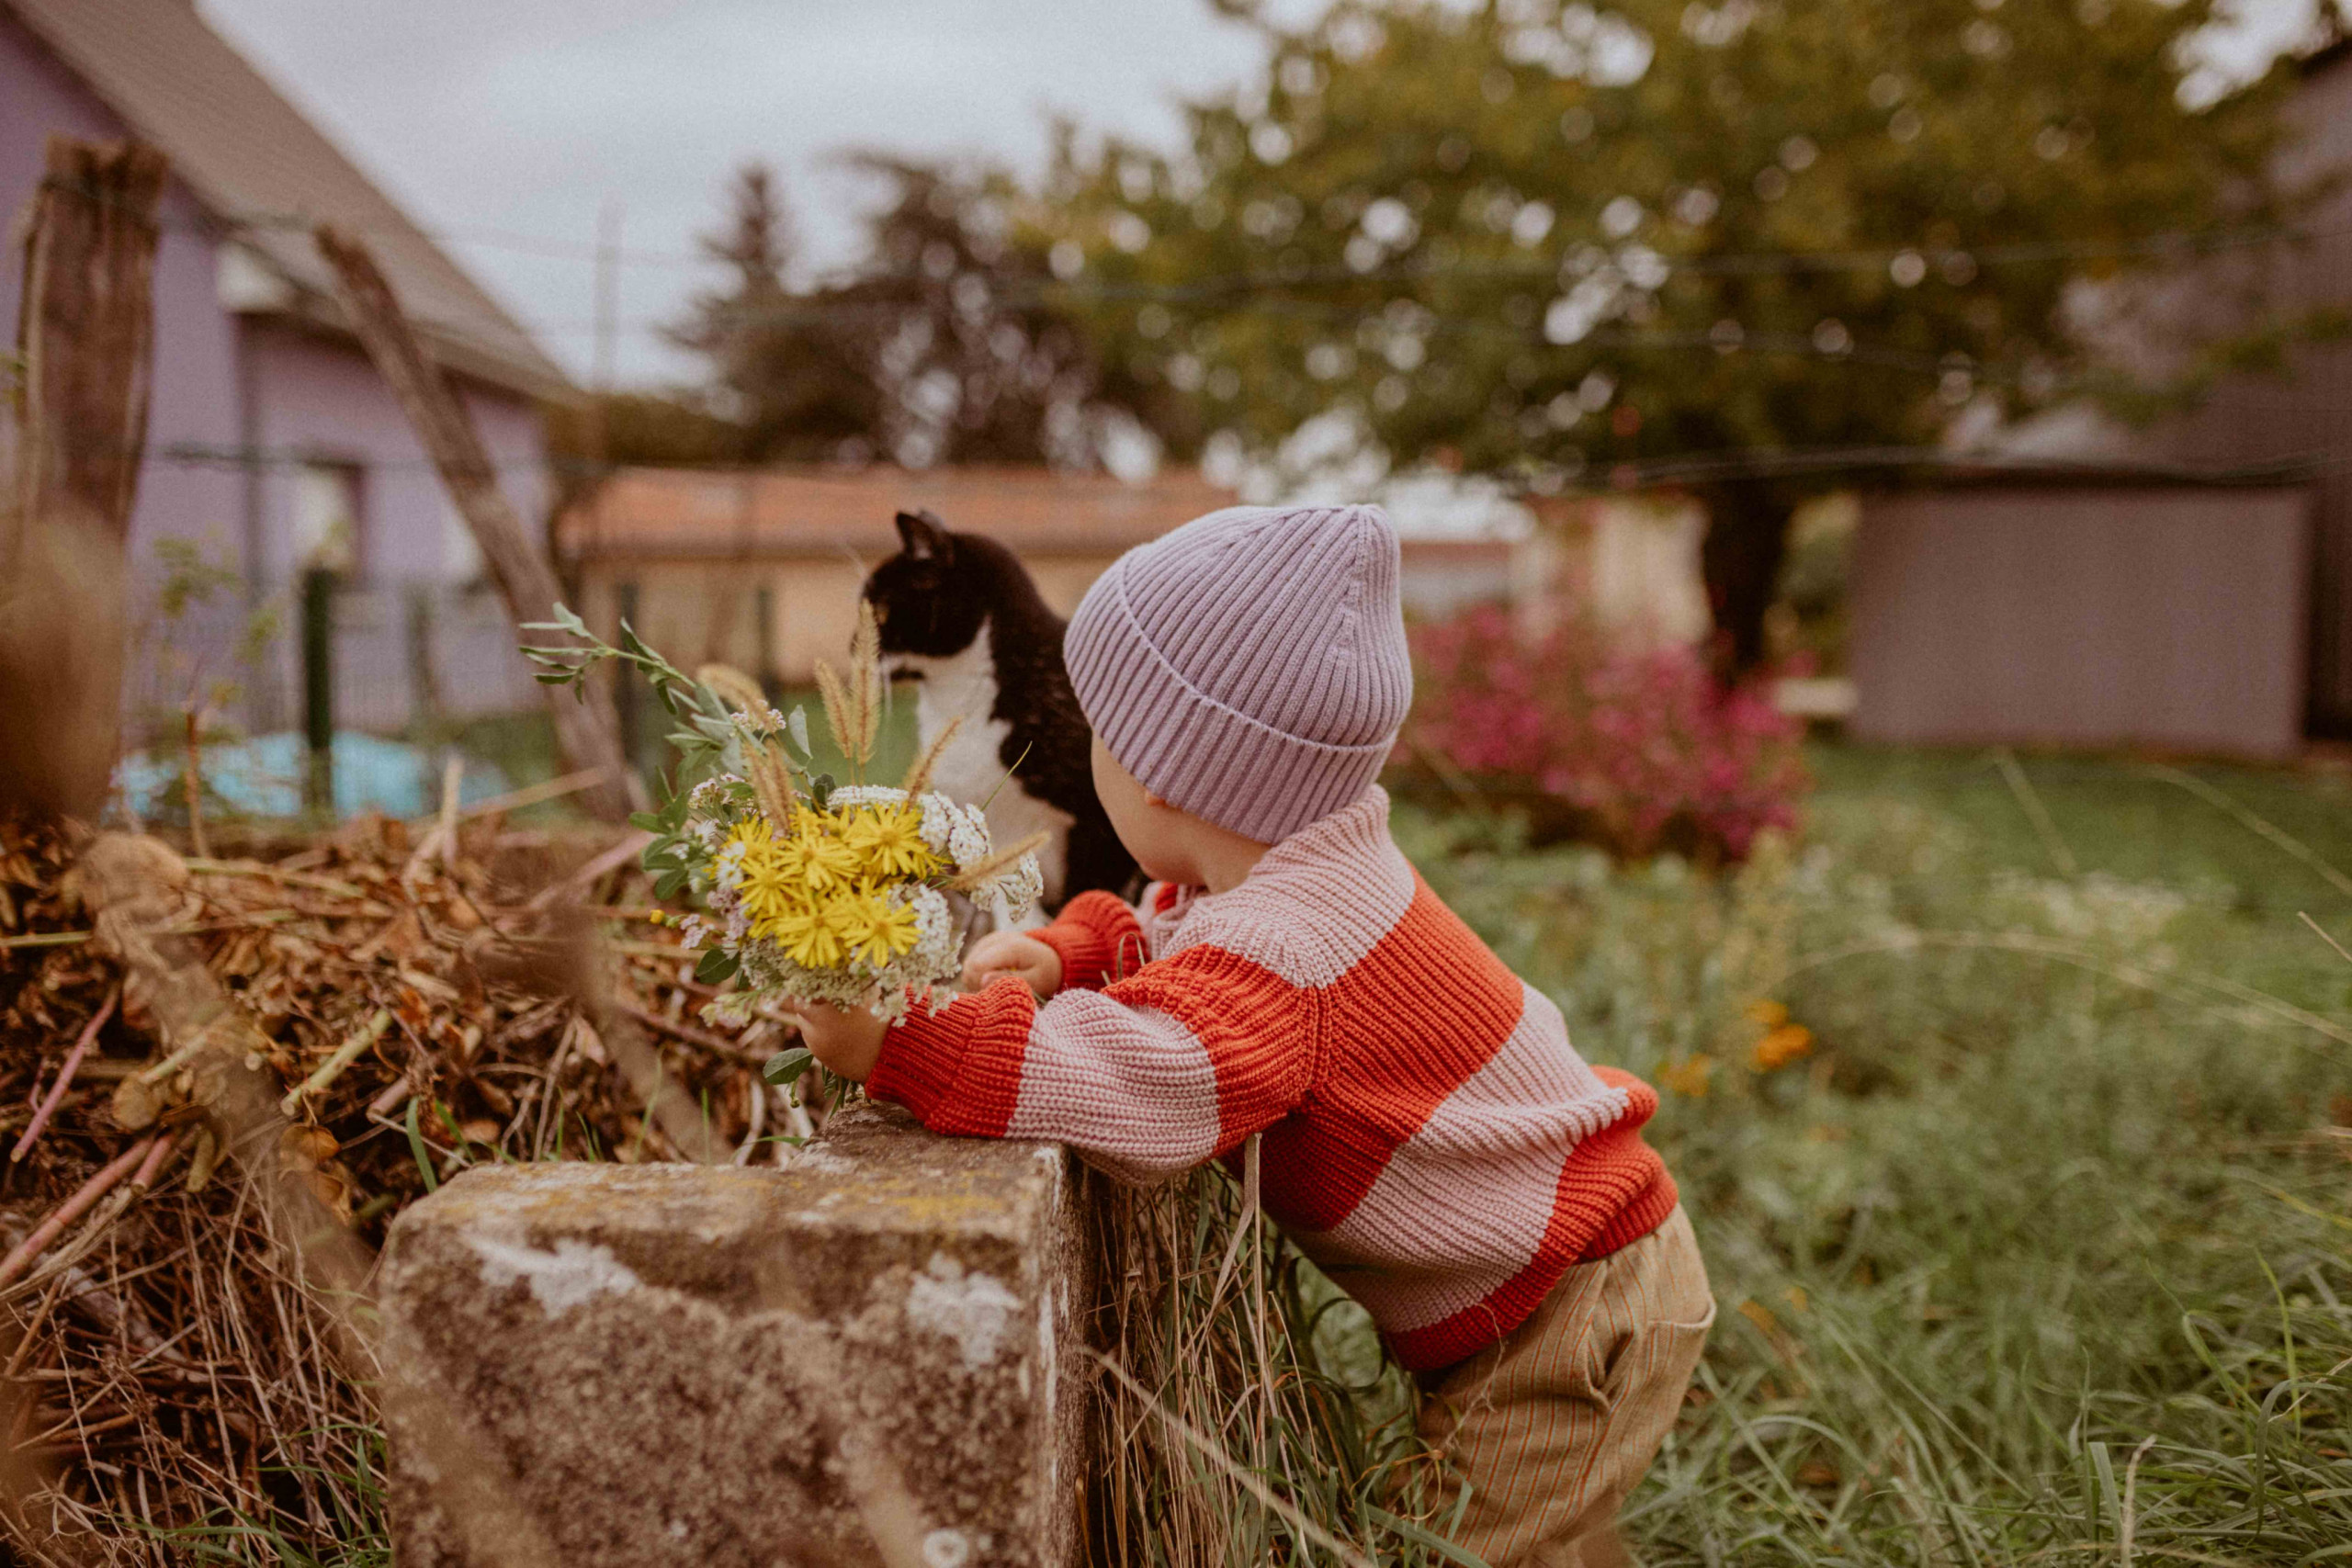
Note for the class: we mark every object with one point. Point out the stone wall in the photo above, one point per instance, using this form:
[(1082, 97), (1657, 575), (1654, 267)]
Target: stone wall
[(871, 1356)]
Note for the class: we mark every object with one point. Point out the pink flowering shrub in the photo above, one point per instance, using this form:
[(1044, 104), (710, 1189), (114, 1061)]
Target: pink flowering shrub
[(1636, 751)]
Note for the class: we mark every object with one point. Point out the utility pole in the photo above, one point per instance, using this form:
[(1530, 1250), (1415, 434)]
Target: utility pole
[(623, 682), (609, 291)]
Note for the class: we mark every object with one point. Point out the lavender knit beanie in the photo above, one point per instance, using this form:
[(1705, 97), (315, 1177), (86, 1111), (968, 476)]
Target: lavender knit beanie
[(1249, 666)]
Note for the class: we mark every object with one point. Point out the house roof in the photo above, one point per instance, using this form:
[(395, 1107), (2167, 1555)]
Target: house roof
[(706, 512), (256, 161)]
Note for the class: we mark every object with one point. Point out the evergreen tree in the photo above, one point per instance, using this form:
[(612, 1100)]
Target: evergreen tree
[(940, 345), (981, 365), (792, 371)]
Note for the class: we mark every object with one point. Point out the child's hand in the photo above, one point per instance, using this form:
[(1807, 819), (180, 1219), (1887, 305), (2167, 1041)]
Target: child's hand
[(1013, 953), (846, 1040)]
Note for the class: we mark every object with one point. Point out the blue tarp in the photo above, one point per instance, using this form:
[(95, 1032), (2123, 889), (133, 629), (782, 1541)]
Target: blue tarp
[(263, 777)]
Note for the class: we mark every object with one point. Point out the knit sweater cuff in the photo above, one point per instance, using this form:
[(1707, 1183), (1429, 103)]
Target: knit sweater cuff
[(1629, 1182), (1089, 936), (960, 1070)]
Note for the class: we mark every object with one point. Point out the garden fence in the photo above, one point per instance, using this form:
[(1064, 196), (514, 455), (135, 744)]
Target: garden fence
[(408, 657)]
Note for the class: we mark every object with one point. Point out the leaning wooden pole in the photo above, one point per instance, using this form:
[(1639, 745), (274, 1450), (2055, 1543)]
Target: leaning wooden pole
[(587, 730), (85, 333)]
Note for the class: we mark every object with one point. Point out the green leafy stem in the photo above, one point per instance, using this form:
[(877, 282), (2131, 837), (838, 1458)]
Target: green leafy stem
[(709, 742)]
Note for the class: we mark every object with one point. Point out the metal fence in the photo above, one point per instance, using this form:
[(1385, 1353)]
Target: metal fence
[(408, 657)]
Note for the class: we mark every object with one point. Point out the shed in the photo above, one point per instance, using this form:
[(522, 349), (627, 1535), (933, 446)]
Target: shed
[(2076, 608), (2282, 425)]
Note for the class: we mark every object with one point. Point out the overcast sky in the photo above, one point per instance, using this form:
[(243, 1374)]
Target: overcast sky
[(508, 124)]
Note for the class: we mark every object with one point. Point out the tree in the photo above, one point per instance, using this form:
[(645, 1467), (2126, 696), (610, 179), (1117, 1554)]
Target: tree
[(1722, 246), (982, 362), (622, 429), (940, 345), (792, 373)]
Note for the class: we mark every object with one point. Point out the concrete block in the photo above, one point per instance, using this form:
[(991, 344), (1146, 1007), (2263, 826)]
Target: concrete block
[(871, 1356)]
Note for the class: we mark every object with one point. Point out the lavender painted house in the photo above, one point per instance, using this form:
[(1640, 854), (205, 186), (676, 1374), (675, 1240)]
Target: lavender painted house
[(270, 435)]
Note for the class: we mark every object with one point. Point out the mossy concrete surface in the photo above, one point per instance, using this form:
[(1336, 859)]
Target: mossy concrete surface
[(871, 1356)]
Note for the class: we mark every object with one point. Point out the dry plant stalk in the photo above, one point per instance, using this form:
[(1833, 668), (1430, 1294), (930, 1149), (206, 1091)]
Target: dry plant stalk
[(166, 1370), (765, 766), (770, 782), (980, 872), (853, 707), (918, 773), (836, 699), (1222, 1440), (736, 689)]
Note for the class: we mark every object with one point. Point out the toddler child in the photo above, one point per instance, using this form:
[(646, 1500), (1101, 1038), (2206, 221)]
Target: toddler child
[(1429, 1134)]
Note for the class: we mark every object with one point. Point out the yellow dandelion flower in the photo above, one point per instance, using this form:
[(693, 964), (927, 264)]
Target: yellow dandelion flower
[(890, 840), (811, 935), (875, 929), (770, 887), (824, 859), (1767, 1012)]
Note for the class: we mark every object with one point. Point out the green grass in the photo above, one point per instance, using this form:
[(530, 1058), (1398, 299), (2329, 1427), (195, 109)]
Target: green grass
[(521, 745), (2042, 1254), (894, 748), (2049, 1230), (351, 1490)]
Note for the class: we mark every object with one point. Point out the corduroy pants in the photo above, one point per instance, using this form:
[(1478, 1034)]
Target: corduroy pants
[(1554, 1424)]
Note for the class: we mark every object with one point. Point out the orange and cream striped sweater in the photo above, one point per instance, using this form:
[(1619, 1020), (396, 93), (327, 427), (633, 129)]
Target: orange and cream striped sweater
[(1431, 1138)]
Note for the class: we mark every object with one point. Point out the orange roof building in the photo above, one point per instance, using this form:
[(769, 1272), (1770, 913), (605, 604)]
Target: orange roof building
[(760, 568)]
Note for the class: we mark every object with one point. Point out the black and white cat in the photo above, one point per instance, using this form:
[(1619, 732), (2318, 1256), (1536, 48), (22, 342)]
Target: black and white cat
[(960, 616)]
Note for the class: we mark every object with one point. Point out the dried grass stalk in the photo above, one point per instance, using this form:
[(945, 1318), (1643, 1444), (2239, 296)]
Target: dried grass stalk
[(772, 783), (838, 711), (853, 705), (919, 776), (982, 871), (177, 1390), (736, 689), (865, 675), (1251, 1420)]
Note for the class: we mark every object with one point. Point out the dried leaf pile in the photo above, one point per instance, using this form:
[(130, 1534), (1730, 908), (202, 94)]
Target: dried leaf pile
[(421, 1002)]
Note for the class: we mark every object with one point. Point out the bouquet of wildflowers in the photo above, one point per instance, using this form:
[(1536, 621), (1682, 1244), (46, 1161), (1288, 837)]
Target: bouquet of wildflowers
[(811, 889)]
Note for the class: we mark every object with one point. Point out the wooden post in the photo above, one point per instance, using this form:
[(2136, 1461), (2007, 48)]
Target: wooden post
[(318, 691), (585, 729), (86, 328), (85, 339), (626, 681), (425, 718)]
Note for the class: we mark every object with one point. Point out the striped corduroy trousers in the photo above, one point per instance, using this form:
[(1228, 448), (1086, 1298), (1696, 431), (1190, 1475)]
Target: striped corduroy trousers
[(1554, 1424)]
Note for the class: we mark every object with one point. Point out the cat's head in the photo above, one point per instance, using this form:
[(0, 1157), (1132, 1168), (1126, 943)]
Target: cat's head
[(930, 605)]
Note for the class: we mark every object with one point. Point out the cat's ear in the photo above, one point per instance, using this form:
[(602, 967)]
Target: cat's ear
[(924, 536)]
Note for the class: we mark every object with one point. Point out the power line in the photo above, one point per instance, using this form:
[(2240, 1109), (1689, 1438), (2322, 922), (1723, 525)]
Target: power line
[(2182, 244), (2179, 243), (1694, 465), (1635, 339)]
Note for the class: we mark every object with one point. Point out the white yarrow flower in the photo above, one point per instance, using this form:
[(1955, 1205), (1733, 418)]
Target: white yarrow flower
[(939, 820)]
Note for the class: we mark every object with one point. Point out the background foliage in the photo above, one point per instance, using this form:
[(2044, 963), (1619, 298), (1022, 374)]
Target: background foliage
[(1697, 243), (1629, 748), (2035, 1224)]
